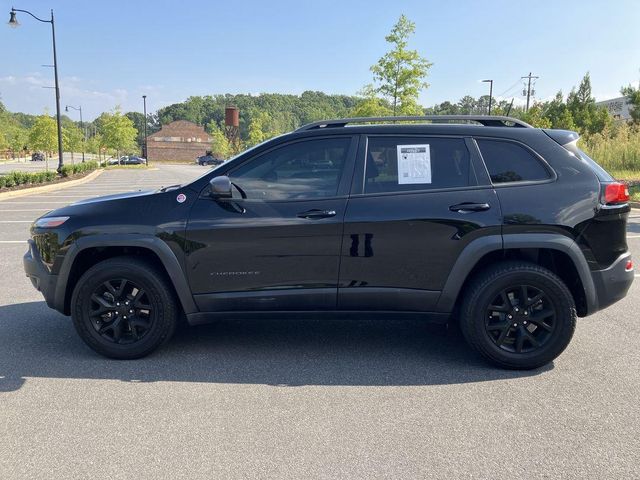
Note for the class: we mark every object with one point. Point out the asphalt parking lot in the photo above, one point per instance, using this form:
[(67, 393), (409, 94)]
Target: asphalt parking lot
[(306, 399)]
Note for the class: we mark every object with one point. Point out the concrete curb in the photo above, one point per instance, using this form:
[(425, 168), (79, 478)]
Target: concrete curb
[(50, 188)]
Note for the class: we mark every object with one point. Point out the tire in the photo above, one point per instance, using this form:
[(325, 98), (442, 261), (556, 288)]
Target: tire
[(101, 307), (506, 317)]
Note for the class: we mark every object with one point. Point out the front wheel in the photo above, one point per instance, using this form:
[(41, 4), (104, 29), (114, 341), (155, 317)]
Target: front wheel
[(124, 308), (518, 315)]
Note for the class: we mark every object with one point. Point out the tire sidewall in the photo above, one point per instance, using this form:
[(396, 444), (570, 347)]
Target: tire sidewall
[(556, 292), (162, 316)]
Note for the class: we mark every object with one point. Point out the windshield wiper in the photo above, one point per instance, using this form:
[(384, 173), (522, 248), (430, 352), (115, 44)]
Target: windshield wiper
[(169, 187)]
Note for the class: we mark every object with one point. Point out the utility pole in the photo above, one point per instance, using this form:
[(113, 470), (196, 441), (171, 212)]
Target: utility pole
[(490, 92), (529, 77)]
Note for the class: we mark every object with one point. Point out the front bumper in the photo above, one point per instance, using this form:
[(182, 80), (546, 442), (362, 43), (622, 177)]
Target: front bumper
[(613, 283), (40, 277)]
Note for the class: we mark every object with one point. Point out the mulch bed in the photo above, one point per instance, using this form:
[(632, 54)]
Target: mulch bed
[(52, 182)]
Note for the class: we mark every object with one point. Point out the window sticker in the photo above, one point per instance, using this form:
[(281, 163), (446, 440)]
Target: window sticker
[(414, 164)]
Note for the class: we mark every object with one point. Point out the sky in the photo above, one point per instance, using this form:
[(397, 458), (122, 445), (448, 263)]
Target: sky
[(113, 52)]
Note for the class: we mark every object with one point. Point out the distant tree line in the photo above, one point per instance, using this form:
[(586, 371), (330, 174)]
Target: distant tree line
[(398, 78)]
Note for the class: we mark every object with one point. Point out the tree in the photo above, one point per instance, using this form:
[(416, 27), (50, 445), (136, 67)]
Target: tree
[(72, 138), (400, 73), (588, 117), (261, 128), (137, 119), (535, 117), (43, 135), (118, 131), (633, 97), (220, 146), (370, 105)]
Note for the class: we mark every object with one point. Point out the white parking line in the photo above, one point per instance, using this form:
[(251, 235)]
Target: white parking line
[(633, 236), (16, 221), (30, 203)]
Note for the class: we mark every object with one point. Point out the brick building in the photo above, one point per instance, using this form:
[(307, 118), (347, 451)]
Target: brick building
[(178, 141)]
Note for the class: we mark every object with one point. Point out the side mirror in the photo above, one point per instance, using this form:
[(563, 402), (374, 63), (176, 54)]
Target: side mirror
[(220, 187)]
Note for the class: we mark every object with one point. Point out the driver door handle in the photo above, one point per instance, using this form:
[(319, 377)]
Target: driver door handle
[(317, 214), (468, 207)]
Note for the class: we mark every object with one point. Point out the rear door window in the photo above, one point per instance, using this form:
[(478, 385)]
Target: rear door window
[(511, 162), (397, 164)]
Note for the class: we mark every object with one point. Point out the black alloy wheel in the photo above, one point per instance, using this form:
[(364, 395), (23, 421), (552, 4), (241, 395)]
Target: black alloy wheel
[(120, 311), (520, 319)]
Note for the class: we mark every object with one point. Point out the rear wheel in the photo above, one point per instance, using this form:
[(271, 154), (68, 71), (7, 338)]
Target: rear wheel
[(518, 315), (124, 308)]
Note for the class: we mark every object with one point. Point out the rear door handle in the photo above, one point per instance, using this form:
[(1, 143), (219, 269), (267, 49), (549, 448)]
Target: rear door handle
[(468, 207), (317, 214)]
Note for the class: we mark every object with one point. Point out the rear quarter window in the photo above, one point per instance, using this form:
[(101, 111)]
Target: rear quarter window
[(510, 162)]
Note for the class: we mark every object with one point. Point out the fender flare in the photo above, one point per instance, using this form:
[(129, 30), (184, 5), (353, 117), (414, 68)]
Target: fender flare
[(470, 256), (161, 249)]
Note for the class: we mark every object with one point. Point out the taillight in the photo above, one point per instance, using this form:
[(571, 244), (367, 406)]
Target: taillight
[(615, 193), (629, 266)]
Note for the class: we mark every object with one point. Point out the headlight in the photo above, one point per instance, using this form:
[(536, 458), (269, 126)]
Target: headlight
[(50, 222)]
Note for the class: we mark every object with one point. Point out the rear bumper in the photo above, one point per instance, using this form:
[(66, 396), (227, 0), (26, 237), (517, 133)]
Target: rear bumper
[(613, 283), (40, 277)]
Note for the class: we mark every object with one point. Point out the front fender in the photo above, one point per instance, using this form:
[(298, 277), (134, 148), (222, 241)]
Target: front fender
[(161, 249)]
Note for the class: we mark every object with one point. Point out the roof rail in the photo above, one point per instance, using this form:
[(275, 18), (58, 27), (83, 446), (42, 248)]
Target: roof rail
[(485, 120)]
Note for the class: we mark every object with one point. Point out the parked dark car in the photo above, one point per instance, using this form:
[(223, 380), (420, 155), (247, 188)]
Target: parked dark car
[(38, 157), (209, 160), (510, 230), (133, 160)]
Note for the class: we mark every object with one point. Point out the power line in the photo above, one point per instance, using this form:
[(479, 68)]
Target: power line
[(510, 88)]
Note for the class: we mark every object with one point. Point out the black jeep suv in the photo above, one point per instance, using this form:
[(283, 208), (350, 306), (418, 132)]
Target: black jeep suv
[(510, 230)]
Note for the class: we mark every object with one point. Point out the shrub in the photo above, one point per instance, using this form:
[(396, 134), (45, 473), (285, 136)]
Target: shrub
[(16, 178)]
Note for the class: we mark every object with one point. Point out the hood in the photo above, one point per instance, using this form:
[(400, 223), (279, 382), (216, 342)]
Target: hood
[(116, 196)]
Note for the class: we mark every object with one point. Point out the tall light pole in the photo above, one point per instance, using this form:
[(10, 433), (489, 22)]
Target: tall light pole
[(146, 154), (13, 22), (84, 137), (490, 92)]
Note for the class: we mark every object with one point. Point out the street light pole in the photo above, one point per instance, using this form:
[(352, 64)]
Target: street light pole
[(146, 154), (490, 92), (84, 136), (13, 22)]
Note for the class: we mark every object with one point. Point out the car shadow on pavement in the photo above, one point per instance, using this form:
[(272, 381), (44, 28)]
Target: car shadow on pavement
[(38, 342)]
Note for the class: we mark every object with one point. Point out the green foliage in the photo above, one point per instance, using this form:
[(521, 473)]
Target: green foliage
[(118, 131), (72, 138), (17, 178), (587, 116), (137, 119), (287, 112), (535, 117), (43, 135), (220, 146), (617, 150), (69, 170), (400, 73), (261, 128), (633, 97)]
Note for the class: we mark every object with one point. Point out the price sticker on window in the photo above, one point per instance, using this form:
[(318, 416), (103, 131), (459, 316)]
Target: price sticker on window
[(414, 164)]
